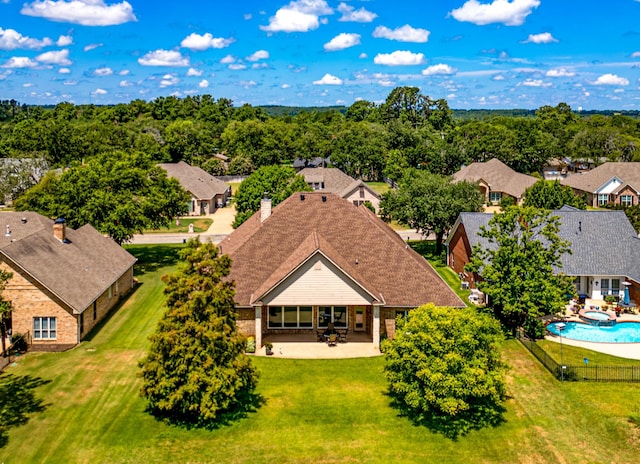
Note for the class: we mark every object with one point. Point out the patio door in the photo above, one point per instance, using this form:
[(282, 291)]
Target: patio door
[(360, 324)]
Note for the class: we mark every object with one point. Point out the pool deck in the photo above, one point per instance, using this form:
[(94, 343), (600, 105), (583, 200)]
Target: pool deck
[(622, 350)]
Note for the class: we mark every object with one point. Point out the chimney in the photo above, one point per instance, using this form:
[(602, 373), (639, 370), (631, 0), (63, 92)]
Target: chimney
[(59, 230), (8, 234), (265, 208)]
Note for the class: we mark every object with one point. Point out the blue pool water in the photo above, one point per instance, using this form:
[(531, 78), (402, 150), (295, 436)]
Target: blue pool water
[(599, 315), (622, 332)]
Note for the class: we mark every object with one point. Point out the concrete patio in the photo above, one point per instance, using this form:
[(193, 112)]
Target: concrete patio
[(306, 347)]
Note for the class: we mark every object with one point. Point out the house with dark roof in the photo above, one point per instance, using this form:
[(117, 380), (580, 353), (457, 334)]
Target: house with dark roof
[(608, 184), (605, 250), (315, 260), (207, 192), (496, 180), (64, 281), (335, 181)]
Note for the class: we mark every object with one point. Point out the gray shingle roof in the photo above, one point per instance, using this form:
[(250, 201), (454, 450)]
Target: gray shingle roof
[(602, 242), (77, 271), (194, 180)]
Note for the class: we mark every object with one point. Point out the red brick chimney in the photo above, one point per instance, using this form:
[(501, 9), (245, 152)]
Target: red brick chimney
[(60, 229)]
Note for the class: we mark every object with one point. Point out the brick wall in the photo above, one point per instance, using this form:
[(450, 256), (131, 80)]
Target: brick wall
[(460, 254)]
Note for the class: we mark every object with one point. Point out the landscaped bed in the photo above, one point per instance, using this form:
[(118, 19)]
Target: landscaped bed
[(313, 410)]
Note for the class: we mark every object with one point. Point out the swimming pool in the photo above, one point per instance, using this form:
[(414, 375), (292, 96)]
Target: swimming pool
[(622, 332)]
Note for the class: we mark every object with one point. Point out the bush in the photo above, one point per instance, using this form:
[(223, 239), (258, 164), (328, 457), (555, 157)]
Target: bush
[(19, 342), (251, 345)]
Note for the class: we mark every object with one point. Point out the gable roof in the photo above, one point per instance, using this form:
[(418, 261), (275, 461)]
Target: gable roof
[(77, 271), (499, 177), (334, 179), (362, 246), (592, 181), (194, 180), (602, 242)]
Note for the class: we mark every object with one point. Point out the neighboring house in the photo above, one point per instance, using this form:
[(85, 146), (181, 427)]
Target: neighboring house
[(64, 281), (496, 180), (317, 162), (610, 183), (316, 260), (605, 250), (335, 181), (555, 169), (207, 192)]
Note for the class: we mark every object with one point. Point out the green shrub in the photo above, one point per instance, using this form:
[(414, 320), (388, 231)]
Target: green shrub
[(251, 345)]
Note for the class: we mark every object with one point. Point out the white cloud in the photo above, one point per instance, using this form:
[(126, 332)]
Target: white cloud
[(560, 72), (328, 79), (203, 42), (399, 58), (438, 69), (26, 85), (203, 84), (285, 86), (85, 12), (362, 55), (5, 74), (64, 71), (59, 57), (350, 14), (498, 77), (544, 37), (168, 80), (103, 72), (64, 41), (194, 72), (342, 41), (386, 83), (92, 46), (405, 33), (70, 82), (259, 55), (126, 83), (164, 58), (99, 92), (11, 39), (124, 72), (611, 79), (259, 66), (298, 16), (635, 55), (536, 83), (228, 59), (507, 12), (248, 84), (237, 66)]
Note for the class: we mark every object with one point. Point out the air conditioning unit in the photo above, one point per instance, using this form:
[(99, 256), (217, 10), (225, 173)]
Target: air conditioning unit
[(465, 285)]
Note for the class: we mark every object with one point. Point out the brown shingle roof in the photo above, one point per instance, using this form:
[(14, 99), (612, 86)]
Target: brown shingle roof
[(77, 272), (194, 180), (590, 181), (357, 241), (334, 179), (499, 177)]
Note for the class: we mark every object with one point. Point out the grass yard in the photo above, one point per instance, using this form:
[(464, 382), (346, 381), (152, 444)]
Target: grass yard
[(330, 411), (200, 224), (379, 187)]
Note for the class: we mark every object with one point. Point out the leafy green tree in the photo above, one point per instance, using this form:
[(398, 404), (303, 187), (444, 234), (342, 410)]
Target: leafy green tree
[(196, 370), (430, 203), (358, 149), (444, 369), (278, 182), (546, 194), (5, 308), (519, 268), (119, 194)]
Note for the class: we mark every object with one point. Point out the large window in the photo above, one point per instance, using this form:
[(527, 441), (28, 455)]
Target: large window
[(44, 328), (290, 317), (332, 314), (577, 284), (603, 199), (626, 200), (604, 286), (495, 197)]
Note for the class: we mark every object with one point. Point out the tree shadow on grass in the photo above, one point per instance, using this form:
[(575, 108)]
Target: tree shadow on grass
[(17, 402), (250, 404), (482, 414)]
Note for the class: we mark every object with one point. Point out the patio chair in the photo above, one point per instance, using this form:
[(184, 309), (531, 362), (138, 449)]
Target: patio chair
[(333, 340), (342, 336)]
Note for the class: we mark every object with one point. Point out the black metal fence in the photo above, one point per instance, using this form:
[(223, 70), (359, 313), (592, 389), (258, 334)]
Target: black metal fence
[(584, 373)]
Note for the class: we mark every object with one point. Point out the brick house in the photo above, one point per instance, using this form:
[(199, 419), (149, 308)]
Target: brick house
[(605, 250), (496, 180), (207, 192), (316, 260), (610, 183), (64, 281), (335, 181)]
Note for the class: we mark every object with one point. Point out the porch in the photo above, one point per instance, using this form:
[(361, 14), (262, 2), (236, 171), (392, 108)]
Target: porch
[(306, 346)]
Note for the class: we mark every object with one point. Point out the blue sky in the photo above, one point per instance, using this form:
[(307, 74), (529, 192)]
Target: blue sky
[(473, 53)]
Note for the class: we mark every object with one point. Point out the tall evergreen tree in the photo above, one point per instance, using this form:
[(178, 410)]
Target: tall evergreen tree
[(196, 370)]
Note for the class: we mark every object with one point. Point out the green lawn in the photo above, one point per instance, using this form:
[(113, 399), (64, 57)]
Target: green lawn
[(330, 411), (379, 187), (200, 224)]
